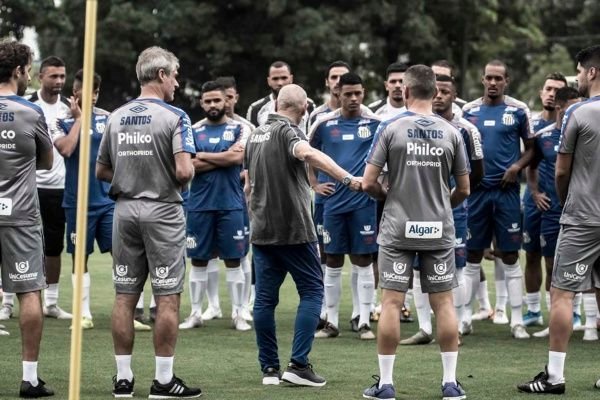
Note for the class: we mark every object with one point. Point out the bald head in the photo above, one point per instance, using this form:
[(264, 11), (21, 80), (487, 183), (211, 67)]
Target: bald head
[(291, 98)]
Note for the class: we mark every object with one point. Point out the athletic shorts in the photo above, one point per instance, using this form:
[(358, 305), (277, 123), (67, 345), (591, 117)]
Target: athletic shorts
[(460, 233), (576, 266), (437, 267), (53, 220), (148, 239), (99, 227), (354, 232), (549, 231), (22, 258), (215, 232), (495, 213), (318, 221), (532, 221)]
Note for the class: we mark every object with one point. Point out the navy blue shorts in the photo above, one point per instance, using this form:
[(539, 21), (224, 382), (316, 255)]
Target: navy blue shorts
[(460, 232), (99, 227), (532, 224), (549, 230), (354, 232), (211, 233), (318, 221)]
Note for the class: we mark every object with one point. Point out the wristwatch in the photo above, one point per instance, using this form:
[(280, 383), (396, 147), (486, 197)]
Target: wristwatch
[(347, 180)]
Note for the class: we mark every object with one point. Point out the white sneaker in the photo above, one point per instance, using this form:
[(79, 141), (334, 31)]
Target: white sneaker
[(140, 326), (240, 324), (6, 312), (246, 314), (193, 321), (4, 333), (590, 334), (543, 333), (54, 311), (500, 318), (519, 332), (212, 313), (467, 328), (483, 314)]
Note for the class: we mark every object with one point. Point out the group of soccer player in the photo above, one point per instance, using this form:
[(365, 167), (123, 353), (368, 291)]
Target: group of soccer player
[(440, 186)]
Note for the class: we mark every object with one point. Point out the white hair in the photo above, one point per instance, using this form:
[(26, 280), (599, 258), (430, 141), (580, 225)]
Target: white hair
[(153, 59)]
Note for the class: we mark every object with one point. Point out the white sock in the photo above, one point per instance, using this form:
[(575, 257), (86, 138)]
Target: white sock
[(8, 299), (548, 302), (534, 301), (235, 285), (501, 289), (124, 367), (323, 314), (471, 275), (422, 304), (152, 301), (514, 281), (459, 296), (164, 369), (449, 360), (556, 367), (408, 298), (374, 300), (140, 303), (333, 292), (590, 308), (354, 291), (85, 301), (365, 287), (482, 296), (51, 295), (198, 280), (386, 369), (30, 372), (247, 270), (212, 288), (577, 303)]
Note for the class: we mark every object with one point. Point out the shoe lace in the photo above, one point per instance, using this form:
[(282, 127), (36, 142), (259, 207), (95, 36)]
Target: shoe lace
[(377, 379), (542, 375)]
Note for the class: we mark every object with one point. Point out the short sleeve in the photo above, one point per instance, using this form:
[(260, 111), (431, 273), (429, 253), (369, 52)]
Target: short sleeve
[(43, 142), (183, 138), (293, 135), (475, 144), (104, 150), (526, 126), (568, 133)]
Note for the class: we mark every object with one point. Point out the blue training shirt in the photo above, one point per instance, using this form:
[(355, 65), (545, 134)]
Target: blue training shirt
[(538, 124), (546, 143)]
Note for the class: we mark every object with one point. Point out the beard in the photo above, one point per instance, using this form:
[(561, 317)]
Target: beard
[(583, 90), (549, 108), (21, 88), (215, 115)]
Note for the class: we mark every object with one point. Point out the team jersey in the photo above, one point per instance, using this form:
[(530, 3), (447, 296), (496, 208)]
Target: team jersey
[(317, 112), (23, 136), (501, 127), (259, 111), (422, 152), (538, 123), (140, 143), (218, 189), (580, 136), (385, 110), (347, 142), (247, 127), (546, 145), (98, 190)]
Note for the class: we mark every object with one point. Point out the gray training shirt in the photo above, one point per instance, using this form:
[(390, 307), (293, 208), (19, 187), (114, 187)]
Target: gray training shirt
[(23, 136), (140, 143), (421, 153), (580, 136)]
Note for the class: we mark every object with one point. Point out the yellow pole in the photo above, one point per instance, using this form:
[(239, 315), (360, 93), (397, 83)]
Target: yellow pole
[(82, 195)]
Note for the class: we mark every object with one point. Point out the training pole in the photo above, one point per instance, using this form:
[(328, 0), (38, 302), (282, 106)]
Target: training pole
[(82, 195)]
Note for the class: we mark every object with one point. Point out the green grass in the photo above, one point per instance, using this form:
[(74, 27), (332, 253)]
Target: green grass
[(223, 361)]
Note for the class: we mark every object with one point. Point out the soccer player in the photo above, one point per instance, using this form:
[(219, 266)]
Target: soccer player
[(443, 105), (25, 146), (215, 219), (393, 104), (283, 235), (145, 154), (349, 219), (494, 206), (422, 152), (578, 249), (280, 74)]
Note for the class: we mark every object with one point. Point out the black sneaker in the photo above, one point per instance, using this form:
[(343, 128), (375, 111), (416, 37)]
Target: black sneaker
[(28, 391), (302, 376), (354, 324), (271, 376), (122, 388), (176, 389), (540, 384), (139, 316), (321, 324)]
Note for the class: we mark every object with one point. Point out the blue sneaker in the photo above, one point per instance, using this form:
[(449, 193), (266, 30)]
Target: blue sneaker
[(453, 391), (531, 318), (385, 392)]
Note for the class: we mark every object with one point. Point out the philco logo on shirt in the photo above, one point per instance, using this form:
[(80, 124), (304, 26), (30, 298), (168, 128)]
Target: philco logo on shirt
[(5, 206), (423, 149), (7, 135), (423, 230), (134, 138)]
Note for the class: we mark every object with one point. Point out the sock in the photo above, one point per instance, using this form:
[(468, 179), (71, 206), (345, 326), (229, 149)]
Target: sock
[(533, 301), (235, 285), (124, 367), (514, 281), (556, 367), (198, 280), (354, 291), (323, 314), (386, 369), (85, 300), (374, 300), (471, 275), (590, 308), (577, 303), (482, 295), (365, 287), (30, 372), (164, 369), (449, 360), (501, 289), (140, 303), (408, 298), (333, 292), (212, 288), (422, 304), (459, 296), (548, 302), (51, 295), (152, 301), (8, 299), (247, 271)]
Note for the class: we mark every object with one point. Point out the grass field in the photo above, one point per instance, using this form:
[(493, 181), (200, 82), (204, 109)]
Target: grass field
[(223, 361)]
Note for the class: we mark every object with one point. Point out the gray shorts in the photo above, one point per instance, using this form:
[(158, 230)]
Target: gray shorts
[(148, 239), (22, 258), (575, 262), (437, 267)]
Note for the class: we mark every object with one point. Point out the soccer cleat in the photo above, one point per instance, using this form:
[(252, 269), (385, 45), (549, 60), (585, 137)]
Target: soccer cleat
[(405, 315), (453, 391), (543, 333), (421, 337), (540, 384), (240, 324), (176, 389), (55, 311), (500, 318), (212, 313), (519, 332), (139, 326), (385, 392), (271, 376), (139, 316), (122, 388), (86, 323), (302, 376), (467, 328), (193, 321), (577, 325), (330, 331), (531, 318), (354, 324), (6, 312), (246, 314), (321, 324), (28, 391), (365, 333), (590, 334), (483, 314)]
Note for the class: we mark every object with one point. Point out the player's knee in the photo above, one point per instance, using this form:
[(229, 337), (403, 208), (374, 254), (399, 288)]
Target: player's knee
[(474, 256), (335, 260), (510, 258)]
